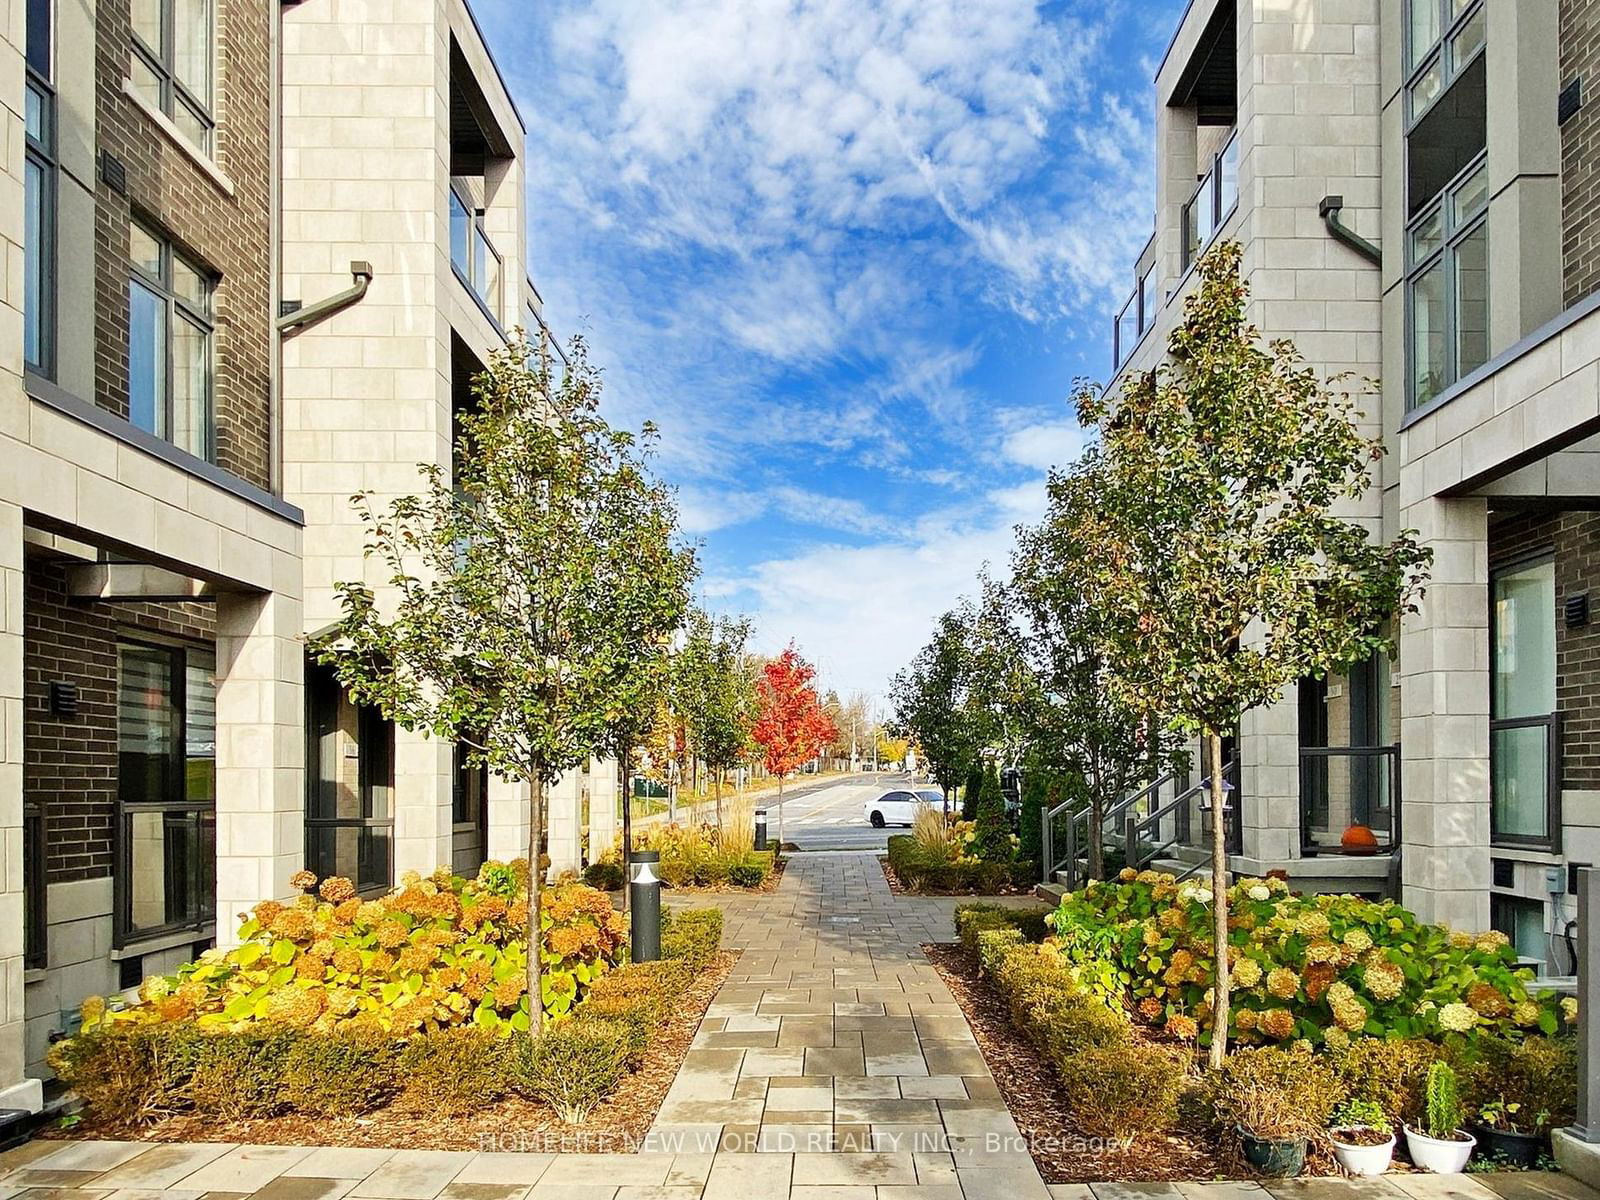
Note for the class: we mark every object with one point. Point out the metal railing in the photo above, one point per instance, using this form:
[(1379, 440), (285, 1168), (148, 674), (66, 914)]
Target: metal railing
[(1372, 785), (1075, 832), (1141, 835)]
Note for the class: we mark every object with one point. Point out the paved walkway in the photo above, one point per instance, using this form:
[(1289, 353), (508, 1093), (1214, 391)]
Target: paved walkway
[(833, 1065)]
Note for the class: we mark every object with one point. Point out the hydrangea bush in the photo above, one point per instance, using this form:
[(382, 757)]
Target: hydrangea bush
[(437, 952), (1319, 968)]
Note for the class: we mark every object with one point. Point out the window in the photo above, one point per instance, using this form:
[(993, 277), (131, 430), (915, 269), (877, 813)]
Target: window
[(469, 803), (349, 786), (171, 62), (1443, 38), (39, 194), (166, 789), (1213, 202), (1521, 920), (1524, 729), (1147, 300), (169, 344), (473, 255), (1125, 333)]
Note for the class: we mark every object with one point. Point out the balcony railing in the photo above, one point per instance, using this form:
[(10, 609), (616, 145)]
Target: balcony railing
[(1525, 781), (1213, 202), (1344, 789), (1135, 319), (473, 255)]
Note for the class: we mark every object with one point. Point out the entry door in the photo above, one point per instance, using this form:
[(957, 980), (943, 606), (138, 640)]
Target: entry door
[(1524, 730), (470, 826)]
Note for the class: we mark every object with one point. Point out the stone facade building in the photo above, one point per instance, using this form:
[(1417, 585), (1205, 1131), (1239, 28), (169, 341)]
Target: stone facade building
[(1436, 133), (231, 303)]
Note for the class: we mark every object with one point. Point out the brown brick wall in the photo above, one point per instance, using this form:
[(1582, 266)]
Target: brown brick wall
[(70, 763), (1580, 150), (230, 235), (1575, 539)]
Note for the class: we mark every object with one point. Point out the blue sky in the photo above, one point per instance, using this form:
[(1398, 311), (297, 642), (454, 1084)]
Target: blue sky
[(849, 257)]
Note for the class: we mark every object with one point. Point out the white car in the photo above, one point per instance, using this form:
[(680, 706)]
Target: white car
[(899, 806)]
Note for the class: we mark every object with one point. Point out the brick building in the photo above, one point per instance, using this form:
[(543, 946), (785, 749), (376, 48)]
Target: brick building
[(1436, 133)]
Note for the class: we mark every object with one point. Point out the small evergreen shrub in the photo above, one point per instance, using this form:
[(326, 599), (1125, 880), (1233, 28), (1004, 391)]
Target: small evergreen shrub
[(344, 1073), (993, 841), (1391, 1073), (456, 1071), (1442, 1113), (605, 873), (1275, 1091), (572, 1066), (242, 1073), (1122, 1091), (971, 793), (693, 935)]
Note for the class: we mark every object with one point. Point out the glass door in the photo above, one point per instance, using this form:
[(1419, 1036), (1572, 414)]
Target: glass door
[(1524, 737)]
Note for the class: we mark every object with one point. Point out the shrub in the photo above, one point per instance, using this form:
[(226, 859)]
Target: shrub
[(1122, 1091), (572, 1066), (605, 872), (966, 876), (1038, 795), (972, 792), (1390, 1073), (1530, 1086), (992, 945), (1029, 921), (937, 836), (132, 1074), (700, 856), (1442, 1113), (993, 842), (693, 935), (340, 1074), (1070, 1023), (241, 1073), (1275, 1092), (1322, 968), (434, 953), (664, 978), (456, 1071), (636, 1015), (751, 871)]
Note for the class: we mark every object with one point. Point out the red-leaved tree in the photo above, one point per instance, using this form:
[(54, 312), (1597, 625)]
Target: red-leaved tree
[(791, 726)]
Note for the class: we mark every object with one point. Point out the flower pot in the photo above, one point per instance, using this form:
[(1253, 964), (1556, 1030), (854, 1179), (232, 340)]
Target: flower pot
[(1442, 1156), (1521, 1150), (1279, 1158), (1357, 1159)]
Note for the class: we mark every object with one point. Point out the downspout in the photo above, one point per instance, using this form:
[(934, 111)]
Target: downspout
[(1329, 210), (290, 322), (275, 252)]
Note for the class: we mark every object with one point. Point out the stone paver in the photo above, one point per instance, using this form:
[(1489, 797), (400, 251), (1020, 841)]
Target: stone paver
[(832, 1065)]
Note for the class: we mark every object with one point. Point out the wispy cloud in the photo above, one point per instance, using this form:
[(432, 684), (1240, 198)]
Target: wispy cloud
[(848, 255)]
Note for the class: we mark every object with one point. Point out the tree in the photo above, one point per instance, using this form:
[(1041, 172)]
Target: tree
[(1074, 718), (972, 792), (1222, 564), (991, 838), (1038, 796), (716, 692), (530, 588), (790, 726), (930, 702)]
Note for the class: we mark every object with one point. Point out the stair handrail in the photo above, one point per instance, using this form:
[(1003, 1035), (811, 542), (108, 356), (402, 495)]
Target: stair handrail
[(1153, 820), (1052, 864)]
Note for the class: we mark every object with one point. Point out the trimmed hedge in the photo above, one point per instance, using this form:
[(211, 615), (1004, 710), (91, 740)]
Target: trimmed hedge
[(137, 1073), (919, 871), (973, 919)]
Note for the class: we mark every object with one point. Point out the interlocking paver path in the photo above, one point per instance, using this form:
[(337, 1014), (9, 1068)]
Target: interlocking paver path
[(833, 1065)]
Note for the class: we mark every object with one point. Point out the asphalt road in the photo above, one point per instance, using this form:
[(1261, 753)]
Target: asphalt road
[(829, 816)]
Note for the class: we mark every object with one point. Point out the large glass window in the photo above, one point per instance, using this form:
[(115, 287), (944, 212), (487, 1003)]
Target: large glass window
[(171, 63), (349, 786), (1448, 287), (39, 192), (1524, 729), (1214, 200), (169, 344), (473, 255), (166, 789)]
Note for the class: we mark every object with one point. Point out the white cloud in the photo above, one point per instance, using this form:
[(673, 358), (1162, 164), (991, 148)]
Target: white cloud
[(1046, 445)]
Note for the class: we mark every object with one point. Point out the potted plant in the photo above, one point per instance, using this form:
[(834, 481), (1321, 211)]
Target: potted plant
[(1510, 1136), (1272, 1127), (1362, 1138), (1442, 1146)]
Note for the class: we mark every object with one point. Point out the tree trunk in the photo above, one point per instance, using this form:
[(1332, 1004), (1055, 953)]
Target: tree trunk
[(535, 887), (1097, 837), (627, 822), (780, 814), (716, 783), (1219, 897)]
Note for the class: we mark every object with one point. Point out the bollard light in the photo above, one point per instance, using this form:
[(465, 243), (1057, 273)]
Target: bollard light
[(761, 829), (644, 899)]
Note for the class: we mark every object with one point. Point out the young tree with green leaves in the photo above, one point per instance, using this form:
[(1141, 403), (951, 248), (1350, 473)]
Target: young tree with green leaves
[(930, 703), (716, 690), (1223, 565), (972, 790), (1076, 721), (525, 593)]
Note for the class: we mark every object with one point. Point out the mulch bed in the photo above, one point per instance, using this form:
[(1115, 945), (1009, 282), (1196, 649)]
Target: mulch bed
[(1032, 1091), (900, 889), (617, 1126)]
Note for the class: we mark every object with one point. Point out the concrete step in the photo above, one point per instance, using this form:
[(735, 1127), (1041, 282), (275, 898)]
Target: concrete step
[(1053, 892)]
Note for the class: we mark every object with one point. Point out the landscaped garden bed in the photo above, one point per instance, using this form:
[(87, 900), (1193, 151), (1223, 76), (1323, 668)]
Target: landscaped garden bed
[(1346, 1013), (403, 1022), (697, 858)]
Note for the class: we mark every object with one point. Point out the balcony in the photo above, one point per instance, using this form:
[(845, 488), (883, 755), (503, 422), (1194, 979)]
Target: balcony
[(477, 263), (1213, 202), (1345, 790), (1135, 319)]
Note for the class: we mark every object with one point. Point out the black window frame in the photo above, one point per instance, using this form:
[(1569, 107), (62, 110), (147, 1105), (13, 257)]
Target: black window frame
[(161, 61), (1551, 722), (178, 308), (202, 881), (40, 152)]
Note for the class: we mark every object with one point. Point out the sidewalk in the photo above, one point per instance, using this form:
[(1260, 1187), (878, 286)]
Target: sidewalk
[(833, 1065)]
